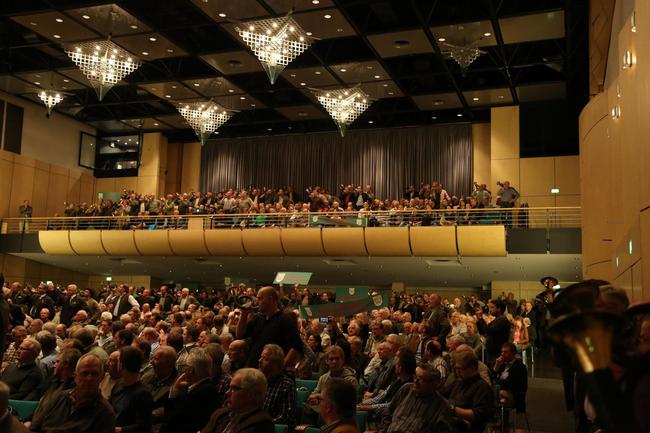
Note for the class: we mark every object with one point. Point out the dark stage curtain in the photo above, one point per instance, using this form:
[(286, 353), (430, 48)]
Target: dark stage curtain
[(387, 159)]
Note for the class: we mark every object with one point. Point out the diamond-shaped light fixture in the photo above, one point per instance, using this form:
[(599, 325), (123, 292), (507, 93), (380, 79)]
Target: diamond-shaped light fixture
[(463, 55), (103, 63), (344, 105), (276, 42), (204, 117), (50, 98)]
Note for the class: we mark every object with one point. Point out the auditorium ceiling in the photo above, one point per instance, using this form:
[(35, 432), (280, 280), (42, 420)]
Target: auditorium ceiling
[(368, 271), (396, 51)]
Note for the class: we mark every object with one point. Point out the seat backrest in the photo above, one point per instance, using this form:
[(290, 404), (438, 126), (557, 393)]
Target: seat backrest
[(281, 428), (310, 385), (362, 416), (23, 409)]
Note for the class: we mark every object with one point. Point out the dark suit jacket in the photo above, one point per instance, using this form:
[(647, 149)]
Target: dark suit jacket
[(40, 302), (437, 320), (167, 305), (258, 421), (70, 308), (516, 382), (189, 413), (23, 381)]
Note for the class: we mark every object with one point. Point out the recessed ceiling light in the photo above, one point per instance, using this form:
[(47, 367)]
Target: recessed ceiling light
[(86, 17), (32, 23), (474, 99), (168, 96), (343, 70), (377, 76), (309, 33), (442, 39), (459, 115), (371, 121), (434, 117), (438, 102), (302, 114), (173, 87), (385, 84), (292, 75), (169, 50), (315, 2), (317, 72), (134, 27), (196, 84), (391, 93), (156, 124), (65, 80), (487, 34), (327, 16), (58, 20), (303, 84), (37, 83), (340, 30), (269, 129), (152, 39), (57, 36), (253, 105), (242, 97), (222, 15), (144, 53), (231, 91), (500, 96)]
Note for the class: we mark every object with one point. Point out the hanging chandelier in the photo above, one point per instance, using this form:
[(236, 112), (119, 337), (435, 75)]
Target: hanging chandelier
[(344, 105), (463, 55), (204, 117), (50, 98), (276, 42), (103, 63)]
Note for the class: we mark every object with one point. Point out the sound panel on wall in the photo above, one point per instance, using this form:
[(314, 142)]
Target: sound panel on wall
[(13, 128)]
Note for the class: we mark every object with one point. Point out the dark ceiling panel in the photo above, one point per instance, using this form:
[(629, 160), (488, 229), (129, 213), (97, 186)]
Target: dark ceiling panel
[(395, 38)]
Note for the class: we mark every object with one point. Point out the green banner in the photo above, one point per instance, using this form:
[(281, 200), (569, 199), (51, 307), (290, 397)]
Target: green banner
[(292, 278), (349, 307), (345, 293)]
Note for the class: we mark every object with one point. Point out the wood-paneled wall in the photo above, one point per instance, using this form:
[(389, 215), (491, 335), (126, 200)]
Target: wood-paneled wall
[(19, 269), (47, 186), (614, 157)]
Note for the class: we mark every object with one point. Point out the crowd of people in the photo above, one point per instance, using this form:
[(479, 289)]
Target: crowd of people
[(430, 204), (169, 360)]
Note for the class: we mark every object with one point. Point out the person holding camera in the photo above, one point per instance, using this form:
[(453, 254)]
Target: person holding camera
[(506, 198)]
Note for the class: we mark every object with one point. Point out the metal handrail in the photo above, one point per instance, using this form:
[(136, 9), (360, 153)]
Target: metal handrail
[(540, 217)]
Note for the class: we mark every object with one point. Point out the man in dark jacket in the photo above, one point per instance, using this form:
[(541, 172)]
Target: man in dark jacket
[(244, 414), (512, 378), (72, 303)]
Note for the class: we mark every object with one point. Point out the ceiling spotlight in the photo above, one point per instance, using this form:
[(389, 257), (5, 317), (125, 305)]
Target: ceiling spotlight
[(196, 84), (391, 93), (242, 98), (134, 27), (173, 87), (317, 72), (37, 83), (327, 16), (168, 96), (315, 2), (169, 50), (442, 39), (57, 36), (377, 77), (302, 114), (308, 33), (32, 23), (385, 84), (475, 99), (222, 15), (340, 30), (156, 124), (152, 39), (487, 34), (438, 102), (371, 121), (500, 96), (269, 129), (459, 115), (434, 117), (65, 80), (86, 17), (231, 91), (303, 84), (401, 43), (145, 53), (59, 20), (343, 70)]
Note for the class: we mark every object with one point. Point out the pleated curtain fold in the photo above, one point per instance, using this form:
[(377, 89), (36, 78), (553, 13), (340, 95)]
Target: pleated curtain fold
[(387, 159)]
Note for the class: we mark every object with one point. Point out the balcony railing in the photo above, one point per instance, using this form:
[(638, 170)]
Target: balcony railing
[(541, 217)]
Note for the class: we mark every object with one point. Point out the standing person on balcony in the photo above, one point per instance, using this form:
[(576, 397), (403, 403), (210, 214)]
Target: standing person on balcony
[(25, 212), (506, 198)]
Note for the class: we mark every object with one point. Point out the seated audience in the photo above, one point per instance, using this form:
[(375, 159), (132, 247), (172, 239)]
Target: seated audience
[(245, 410), (281, 395), (80, 410), (130, 399), (415, 407), (24, 377), (159, 381), (337, 407), (337, 368), (193, 396), (111, 376)]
